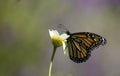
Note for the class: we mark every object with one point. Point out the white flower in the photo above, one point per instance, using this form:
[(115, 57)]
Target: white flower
[(57, 39)]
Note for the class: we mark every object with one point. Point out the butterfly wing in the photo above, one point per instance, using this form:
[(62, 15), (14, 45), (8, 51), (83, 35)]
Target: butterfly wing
[(81, 44)]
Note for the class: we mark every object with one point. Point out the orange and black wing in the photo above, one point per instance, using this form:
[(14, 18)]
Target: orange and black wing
[(81, 44)]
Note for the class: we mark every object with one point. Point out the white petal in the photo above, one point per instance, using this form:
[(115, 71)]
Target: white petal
[(53, 33), (56, 33), (65, 48), (64, 36), (64, 45)]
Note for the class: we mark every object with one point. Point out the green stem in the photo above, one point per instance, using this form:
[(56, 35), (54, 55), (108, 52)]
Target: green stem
[(51, 61)]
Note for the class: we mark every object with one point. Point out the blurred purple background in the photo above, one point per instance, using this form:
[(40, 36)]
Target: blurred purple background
[(26, 48)]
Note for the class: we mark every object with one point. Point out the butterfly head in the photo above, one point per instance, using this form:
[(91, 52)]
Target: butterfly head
[(67, 32)]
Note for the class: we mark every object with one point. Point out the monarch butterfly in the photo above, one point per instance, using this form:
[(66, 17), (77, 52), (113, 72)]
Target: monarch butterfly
[(81, 44)]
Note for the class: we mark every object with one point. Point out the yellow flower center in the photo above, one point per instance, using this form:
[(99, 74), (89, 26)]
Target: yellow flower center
[(57, 41)]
